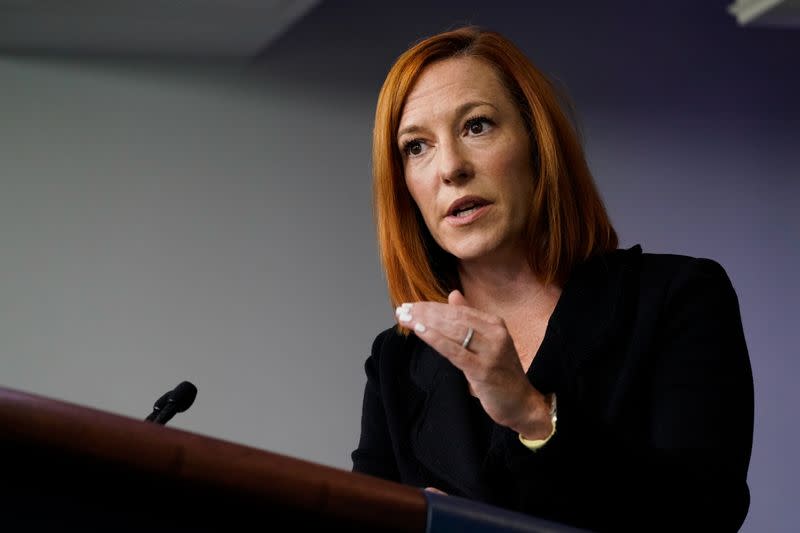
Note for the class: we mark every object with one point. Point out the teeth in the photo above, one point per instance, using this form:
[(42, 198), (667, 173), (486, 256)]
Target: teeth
[(467, 211)]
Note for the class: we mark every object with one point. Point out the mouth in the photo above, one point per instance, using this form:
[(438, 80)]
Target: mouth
[(466, 206)]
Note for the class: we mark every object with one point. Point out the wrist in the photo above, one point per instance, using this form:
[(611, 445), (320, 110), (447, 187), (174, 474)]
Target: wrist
[(538, 422)]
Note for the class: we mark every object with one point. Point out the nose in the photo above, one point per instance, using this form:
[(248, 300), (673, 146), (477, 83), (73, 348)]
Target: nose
[(454, 166)]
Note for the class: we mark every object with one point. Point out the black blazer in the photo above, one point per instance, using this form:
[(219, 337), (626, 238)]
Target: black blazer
[(648, 359)]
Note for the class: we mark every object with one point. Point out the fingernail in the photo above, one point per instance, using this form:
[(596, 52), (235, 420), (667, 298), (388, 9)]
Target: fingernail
[(404, 317), (419, 327), (402, 309)]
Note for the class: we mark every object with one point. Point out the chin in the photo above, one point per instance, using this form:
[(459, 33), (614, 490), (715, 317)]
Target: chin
[(471, 251), (480, 246)]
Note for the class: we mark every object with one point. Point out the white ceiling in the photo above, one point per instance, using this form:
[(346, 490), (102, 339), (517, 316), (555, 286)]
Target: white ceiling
[(146, 28), (781, 13)]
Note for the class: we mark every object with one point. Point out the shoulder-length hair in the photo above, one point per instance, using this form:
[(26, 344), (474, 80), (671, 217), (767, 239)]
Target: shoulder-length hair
[(568, 222)]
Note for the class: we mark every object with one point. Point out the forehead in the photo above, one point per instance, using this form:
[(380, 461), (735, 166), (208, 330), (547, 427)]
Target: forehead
[(443, 86)]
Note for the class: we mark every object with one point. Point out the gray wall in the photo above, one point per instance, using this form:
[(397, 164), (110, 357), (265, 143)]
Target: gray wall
[(206, 225), (169, 222)]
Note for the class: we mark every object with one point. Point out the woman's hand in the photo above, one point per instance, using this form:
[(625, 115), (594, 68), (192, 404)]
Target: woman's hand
[(487, 358)]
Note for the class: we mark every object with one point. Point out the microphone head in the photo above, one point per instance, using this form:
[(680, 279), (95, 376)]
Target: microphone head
[(161, 402), (183, 396)]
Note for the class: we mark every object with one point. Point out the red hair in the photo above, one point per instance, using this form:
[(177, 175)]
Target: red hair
[(568, 222)]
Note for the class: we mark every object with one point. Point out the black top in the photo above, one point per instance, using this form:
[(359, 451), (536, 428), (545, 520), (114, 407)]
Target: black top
[(647, 356), (482, 424), (482, 428)]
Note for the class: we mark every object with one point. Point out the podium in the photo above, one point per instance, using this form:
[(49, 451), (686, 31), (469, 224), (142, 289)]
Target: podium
[(67, 467)]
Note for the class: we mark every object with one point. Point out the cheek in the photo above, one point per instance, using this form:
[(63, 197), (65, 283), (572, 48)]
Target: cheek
[(515, 166), (515, 178), (423, 196), (514, 160)]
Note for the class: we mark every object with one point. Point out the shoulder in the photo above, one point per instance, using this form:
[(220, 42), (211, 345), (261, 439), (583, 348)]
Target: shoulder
[(387, 347), (388, 341), (684, 288), (663, 270), (652, 283), (674, 266), (676, 274)]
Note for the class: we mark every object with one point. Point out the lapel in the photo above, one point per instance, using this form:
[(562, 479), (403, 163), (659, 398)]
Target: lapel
[(593, 307), (442, 436), (589, 312)]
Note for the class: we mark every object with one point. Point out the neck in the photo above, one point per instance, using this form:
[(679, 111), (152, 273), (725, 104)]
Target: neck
[(499, 284)]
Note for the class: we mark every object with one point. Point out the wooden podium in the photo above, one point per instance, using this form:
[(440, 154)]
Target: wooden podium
[(66, 467)]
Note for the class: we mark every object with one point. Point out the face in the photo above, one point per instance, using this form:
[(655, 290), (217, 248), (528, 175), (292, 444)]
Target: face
[(467, 159)]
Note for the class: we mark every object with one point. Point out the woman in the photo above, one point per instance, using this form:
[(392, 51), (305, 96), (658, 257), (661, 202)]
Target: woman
[(534, 365)]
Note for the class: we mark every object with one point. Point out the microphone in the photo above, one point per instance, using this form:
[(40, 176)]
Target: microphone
[(160, 403), (171, 402)]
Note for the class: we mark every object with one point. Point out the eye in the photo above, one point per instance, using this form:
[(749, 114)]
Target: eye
[(478, 125), (414, 147)]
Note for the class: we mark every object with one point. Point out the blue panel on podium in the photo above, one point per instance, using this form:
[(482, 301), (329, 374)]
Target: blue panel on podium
[(452, 513)]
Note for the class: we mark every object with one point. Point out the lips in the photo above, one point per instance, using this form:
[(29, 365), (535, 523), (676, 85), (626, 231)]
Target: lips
[(465, 206)]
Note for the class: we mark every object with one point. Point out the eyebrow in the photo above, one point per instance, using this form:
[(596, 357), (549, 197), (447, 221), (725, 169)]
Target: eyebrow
[(459, 111)]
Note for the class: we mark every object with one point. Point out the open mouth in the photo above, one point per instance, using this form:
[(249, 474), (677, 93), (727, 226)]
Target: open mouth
[(466, 206)]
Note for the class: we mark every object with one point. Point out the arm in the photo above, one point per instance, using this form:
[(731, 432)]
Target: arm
[(374, 455)]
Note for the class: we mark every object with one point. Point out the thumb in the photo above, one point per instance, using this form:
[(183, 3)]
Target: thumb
[(456, 298)]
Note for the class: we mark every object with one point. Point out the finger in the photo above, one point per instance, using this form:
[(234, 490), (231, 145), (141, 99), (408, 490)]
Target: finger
[(461, 358), (469, 316), (435, 490), (456, 298), (456, 329)]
